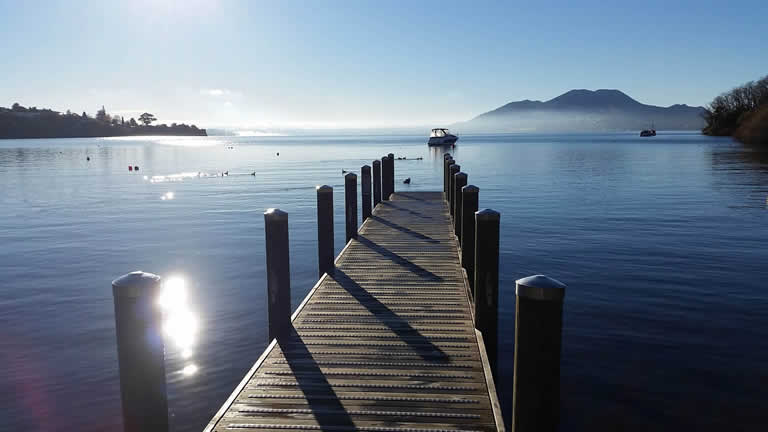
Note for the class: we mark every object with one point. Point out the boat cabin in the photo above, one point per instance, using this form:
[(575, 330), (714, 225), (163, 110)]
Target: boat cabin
[(439, 133)]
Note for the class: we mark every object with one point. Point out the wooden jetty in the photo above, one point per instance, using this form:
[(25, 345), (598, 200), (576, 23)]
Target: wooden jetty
[(399, 333), (385, 342)]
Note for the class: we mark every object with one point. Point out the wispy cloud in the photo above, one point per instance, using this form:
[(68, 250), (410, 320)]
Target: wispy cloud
[(218, 92)]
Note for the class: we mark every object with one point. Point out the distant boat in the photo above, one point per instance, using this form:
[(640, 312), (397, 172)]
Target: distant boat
[(441, 136), (648, 132)]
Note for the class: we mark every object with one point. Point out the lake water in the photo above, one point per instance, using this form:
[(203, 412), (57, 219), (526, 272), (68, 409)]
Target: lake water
[(662, 243)]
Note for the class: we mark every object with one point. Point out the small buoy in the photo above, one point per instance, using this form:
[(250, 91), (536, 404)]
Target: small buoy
[(136, 168), (343, 171), (130, 167), (226, 173), (407, 181), (253, 173), (88, 158), (278, 153)]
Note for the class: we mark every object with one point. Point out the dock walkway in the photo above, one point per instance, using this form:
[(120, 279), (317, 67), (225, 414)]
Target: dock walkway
[(385, 343)]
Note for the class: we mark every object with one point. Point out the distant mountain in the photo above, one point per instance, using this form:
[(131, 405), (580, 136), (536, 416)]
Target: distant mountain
[(585, 110)]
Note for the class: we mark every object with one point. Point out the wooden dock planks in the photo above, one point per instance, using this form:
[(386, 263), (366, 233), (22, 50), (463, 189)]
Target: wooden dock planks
[(385, 343)]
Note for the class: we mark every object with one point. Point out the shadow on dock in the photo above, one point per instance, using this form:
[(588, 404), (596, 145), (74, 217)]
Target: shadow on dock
[(419, 343), (403, 209), (322, 400), (397, 259)]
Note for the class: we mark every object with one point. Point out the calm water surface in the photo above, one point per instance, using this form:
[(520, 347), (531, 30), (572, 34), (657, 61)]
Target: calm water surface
[(662, 242)]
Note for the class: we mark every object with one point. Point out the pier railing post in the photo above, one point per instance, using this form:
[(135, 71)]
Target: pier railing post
[(459, 181), (376, 182), (391, 176), (538, 334), (324, 229), (487, 280), (350, 205), (385, 178), (278, 273), (454, 169), (365, 183), (140, 352), (469, 204), (447, 180)]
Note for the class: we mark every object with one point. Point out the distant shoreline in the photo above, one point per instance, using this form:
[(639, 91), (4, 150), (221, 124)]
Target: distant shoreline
[(19, 122), (154, 131)]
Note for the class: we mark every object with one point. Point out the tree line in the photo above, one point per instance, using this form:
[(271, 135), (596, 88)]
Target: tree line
[(741, 112), (22, 122)]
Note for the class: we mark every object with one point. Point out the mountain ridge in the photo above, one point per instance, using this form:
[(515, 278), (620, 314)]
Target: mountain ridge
[(583, 109)]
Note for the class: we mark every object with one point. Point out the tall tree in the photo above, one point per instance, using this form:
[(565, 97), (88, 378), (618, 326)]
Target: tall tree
[(101, 115), (147, 118)]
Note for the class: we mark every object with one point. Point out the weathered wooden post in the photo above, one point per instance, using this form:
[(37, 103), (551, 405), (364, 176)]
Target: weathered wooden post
[(350, 204), (365, 182), (391, 176), (459, 181), (469, 203), (140, 352), (538, 334), (385, 178), (324, 229), (455, 168), (376, 182), (447, 180), (278, 273), (487, 280)]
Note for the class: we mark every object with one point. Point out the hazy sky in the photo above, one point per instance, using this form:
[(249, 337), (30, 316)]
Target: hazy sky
[(354, 63)]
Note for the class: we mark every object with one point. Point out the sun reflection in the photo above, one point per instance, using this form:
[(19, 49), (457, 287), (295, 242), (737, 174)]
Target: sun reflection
[(167, 196), (180, 323), (189, 369)]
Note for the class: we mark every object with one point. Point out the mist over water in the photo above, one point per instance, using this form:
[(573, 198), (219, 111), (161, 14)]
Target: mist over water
[(661, 242)]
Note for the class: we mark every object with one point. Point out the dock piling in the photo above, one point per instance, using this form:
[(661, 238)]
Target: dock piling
[(538, 334), (446, 180), (350, 205), (278, 273), (454, 169), (459, 181), (487, 280), (324, 229), (365, 183), (385, 192), (469, 204), (140, 352), (376, 182), (391, 176)]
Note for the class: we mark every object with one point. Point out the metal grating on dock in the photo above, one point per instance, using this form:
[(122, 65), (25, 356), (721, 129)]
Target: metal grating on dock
[(386, 343)]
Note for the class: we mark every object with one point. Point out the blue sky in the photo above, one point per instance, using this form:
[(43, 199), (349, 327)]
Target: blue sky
[(358, 64)]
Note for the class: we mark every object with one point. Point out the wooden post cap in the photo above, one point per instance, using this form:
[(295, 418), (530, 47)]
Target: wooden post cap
[(540, 287), (487, 215), (135, 284), (350, 176), (324, 189), (275, 214), (470, 189)]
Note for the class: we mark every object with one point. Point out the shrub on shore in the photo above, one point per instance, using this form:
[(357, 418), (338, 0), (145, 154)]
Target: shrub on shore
[(741, 113)]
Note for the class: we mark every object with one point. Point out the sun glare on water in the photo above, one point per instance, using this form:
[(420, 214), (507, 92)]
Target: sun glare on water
[(180, 323)]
